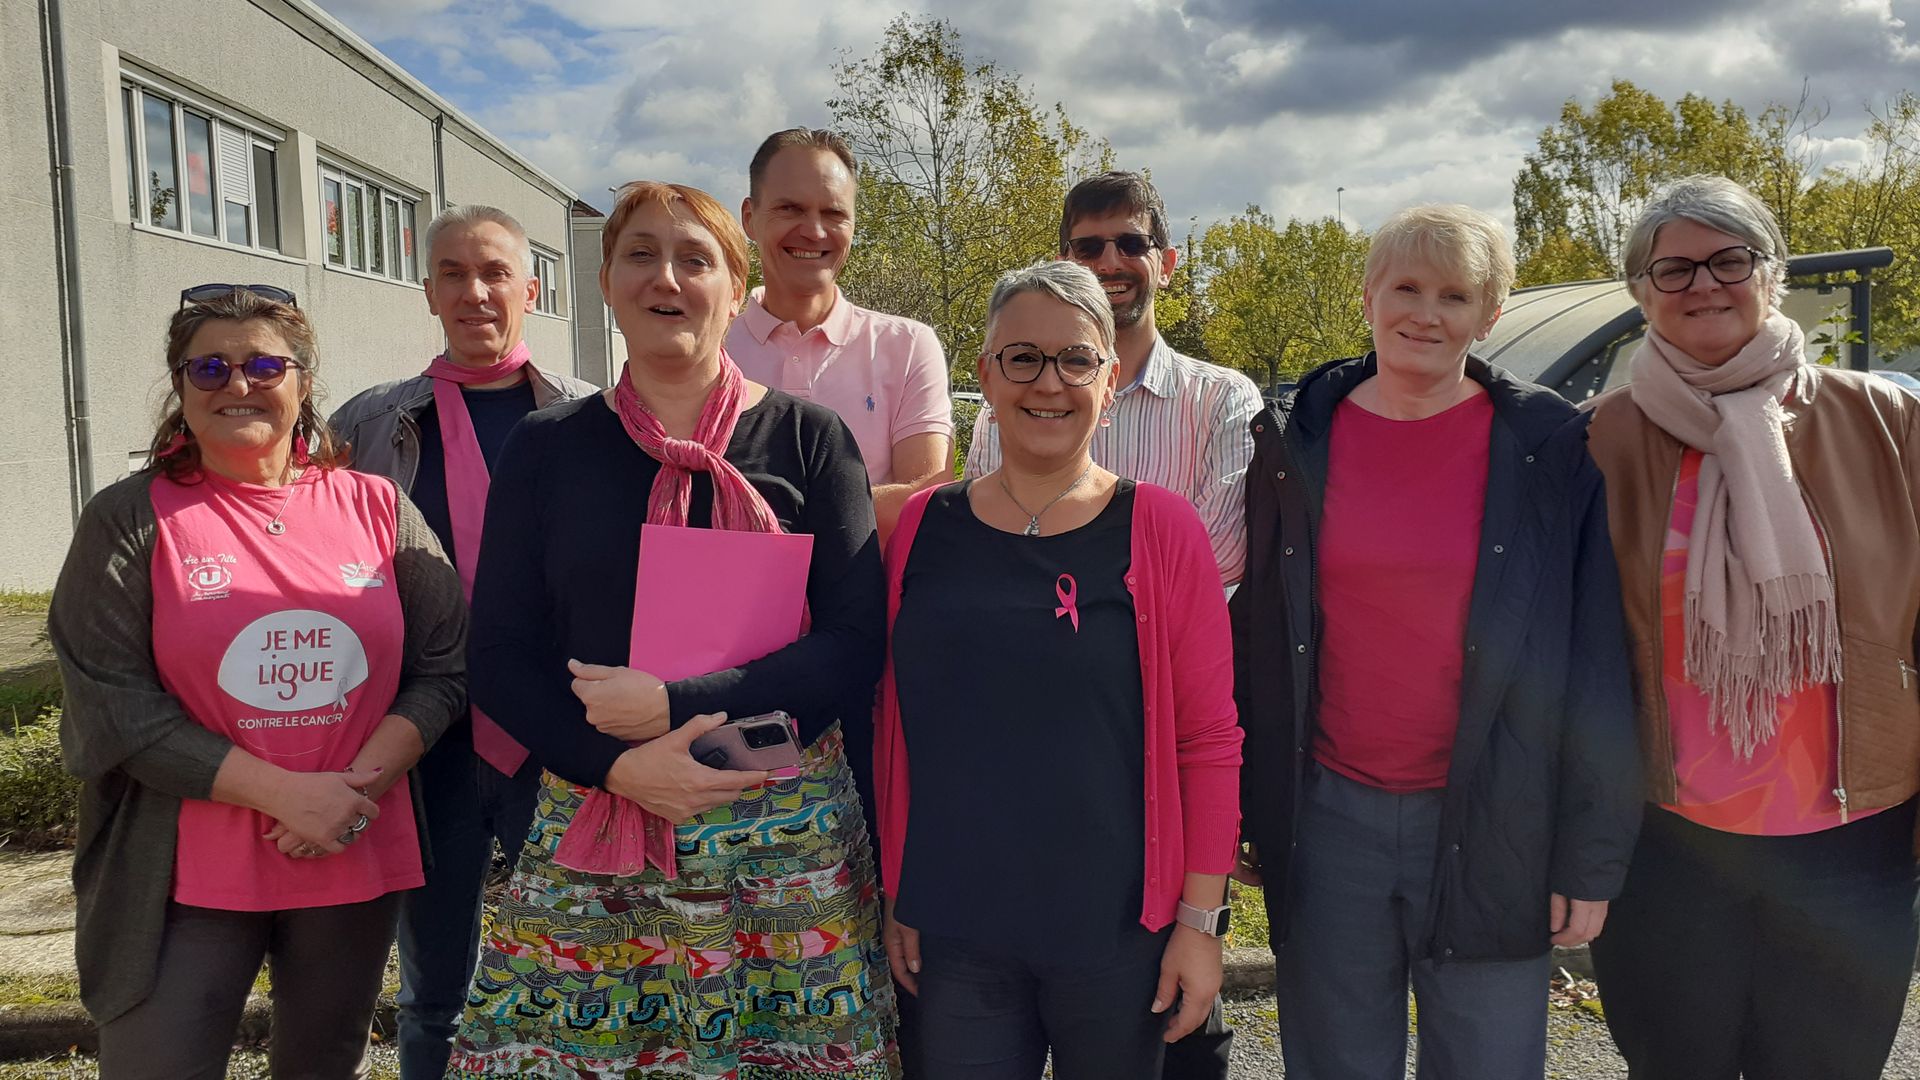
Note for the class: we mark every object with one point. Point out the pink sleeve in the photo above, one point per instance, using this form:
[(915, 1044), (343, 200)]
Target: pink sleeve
[(1206, 726), (891, 790), (923, 405)]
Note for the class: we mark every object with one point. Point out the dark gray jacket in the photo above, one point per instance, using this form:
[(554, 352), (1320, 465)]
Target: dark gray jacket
[(1543, 790), (383, 422)]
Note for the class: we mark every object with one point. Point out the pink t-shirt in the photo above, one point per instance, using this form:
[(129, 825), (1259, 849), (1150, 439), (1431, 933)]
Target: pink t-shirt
[(290, 646), (1399, 545), (885, 375), (1786, 789)]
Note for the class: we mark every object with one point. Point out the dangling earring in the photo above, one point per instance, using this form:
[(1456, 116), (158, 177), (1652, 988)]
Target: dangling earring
[(992, 419), (1106, 418)]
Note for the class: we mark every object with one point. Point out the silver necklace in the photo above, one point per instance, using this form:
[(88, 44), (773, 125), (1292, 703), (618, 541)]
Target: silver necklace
[(275, 527), (1033, 519)]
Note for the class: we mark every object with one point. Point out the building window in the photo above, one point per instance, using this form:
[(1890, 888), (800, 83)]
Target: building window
[(547, 268), (196, 170), (369, 224)]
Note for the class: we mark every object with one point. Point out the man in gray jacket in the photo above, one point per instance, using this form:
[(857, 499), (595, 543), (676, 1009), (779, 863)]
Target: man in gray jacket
[(437, 435)]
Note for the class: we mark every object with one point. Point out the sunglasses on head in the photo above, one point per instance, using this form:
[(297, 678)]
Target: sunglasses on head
[(200, 294), (210, 373), (1132, 245)]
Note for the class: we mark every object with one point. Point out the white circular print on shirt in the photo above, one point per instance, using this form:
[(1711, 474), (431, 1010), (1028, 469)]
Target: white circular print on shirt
[(294, 661)]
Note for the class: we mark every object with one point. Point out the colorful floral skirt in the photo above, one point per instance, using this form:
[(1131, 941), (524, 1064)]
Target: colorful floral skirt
[(761, 960)]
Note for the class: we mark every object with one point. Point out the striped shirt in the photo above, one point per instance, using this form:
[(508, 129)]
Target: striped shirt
[(1182, 425)]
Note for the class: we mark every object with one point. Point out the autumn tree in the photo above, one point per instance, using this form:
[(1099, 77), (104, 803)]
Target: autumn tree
[(1280, 299), (1580, 190), (1877, 203), (961, 178)]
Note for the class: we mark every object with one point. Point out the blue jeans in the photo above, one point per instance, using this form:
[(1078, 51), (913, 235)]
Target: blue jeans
[(1363, 872), (469, 806)]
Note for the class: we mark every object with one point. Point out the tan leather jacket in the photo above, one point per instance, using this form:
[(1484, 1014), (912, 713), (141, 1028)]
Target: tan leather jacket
[(1854, 440)]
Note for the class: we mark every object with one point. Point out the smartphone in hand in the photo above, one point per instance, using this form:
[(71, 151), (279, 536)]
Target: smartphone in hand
[(764, 742)]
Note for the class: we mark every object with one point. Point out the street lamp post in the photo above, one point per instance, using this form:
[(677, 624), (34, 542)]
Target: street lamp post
[(1338, 213)]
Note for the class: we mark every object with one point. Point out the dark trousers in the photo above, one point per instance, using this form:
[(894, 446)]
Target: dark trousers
[(1205, 1053), (1772, 957), (1362, 877), (993, 1014), (469, 806), (325, 962)]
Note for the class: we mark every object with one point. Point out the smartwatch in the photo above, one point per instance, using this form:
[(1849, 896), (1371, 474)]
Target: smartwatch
[(1210, 921)]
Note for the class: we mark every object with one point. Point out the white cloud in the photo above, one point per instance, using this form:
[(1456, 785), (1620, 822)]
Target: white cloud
[(1226, 103)]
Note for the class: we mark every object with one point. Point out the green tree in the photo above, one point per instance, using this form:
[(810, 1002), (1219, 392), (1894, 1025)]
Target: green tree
[(1591, 174), (1872, 204), (961, 178), (1279, 300)]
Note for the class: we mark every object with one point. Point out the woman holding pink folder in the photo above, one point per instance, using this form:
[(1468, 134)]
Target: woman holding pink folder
[(1056, 851), (666, 915)]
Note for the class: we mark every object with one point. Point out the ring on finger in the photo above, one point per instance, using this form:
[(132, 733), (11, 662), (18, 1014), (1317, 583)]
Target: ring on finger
[(348, 837), (359, 823)]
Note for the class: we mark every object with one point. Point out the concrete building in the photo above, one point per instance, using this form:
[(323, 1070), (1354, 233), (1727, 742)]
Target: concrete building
[(224, 141)]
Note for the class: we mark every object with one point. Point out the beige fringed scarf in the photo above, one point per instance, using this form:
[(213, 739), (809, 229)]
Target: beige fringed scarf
[(1759, 608)]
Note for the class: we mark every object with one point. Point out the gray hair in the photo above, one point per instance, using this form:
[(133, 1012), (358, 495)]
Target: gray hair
[(1452, 237), (1068, 282), (1719, 204), (473, 214)]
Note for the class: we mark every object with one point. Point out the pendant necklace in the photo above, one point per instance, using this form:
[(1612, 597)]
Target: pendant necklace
[(275, 527), (1033, 519)]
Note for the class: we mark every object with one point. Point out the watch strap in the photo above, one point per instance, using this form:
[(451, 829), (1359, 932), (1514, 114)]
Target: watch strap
[(1210, 921)]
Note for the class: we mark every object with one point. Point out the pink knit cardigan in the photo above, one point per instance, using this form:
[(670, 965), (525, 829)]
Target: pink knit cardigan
[(1186, 677)]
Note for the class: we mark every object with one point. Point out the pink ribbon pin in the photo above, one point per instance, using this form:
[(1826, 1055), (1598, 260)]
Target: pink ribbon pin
[(1067, 590)]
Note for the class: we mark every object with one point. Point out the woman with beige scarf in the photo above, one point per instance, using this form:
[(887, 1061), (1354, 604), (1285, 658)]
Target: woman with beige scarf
[(1763, 516)]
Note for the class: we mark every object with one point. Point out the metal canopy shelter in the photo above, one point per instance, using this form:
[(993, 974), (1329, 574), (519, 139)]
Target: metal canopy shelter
[(1571, 337)]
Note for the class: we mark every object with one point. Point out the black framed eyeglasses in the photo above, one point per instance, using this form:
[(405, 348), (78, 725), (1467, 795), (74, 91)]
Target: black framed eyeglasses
[(1022, 362), (210, 373), (200, 294), (1131, 244), (1729, 266)]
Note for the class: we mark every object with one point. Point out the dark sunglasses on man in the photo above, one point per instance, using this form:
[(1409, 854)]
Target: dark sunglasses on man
[(201, 294), (210, 373), (1131, 244)]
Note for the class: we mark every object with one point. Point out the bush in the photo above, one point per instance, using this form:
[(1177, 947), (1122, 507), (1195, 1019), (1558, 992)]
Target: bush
[(965, 414), (38, 797)]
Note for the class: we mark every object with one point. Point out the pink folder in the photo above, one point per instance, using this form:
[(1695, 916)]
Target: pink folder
[(704, 600), (708, 600)]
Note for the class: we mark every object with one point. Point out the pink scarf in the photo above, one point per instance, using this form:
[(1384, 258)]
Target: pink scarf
[(1760, 615), (467, 483), (611, 835)]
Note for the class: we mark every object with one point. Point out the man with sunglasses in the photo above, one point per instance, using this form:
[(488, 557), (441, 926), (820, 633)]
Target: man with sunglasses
[(885, 375), (1177, 422), (437, 435)]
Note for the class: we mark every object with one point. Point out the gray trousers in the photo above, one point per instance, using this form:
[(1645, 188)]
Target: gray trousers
[(1362, 873), (325, 962)]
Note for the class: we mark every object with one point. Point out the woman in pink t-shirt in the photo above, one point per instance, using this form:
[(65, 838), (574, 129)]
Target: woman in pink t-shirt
[(257, 645)]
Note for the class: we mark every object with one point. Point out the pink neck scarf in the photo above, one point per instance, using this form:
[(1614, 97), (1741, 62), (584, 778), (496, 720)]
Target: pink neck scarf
[(610, 835), (467, 483)]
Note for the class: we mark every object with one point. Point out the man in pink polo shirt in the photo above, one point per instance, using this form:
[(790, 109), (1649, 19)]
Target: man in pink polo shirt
[(885, 375)]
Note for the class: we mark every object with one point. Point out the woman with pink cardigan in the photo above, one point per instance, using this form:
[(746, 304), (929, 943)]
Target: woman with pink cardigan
[(1056, 879)]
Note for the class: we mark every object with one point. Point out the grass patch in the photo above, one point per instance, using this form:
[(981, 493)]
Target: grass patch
[(25, 990), (39, 799), (17, 602), (1249, 917), (24, 704)]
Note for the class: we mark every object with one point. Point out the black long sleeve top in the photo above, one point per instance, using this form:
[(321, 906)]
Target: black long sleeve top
[(559, 557)]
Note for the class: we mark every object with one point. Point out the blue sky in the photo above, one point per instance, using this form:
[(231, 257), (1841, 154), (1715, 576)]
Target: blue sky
[(1229, 102)]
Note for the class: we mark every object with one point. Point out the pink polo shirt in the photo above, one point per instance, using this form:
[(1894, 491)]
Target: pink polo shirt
[(885, 375)]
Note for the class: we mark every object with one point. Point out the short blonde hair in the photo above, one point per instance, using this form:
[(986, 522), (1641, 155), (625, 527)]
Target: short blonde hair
[(1453, 237), (677, 199)]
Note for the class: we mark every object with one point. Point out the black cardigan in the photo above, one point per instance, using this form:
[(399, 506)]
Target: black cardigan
[(1544, 788)]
